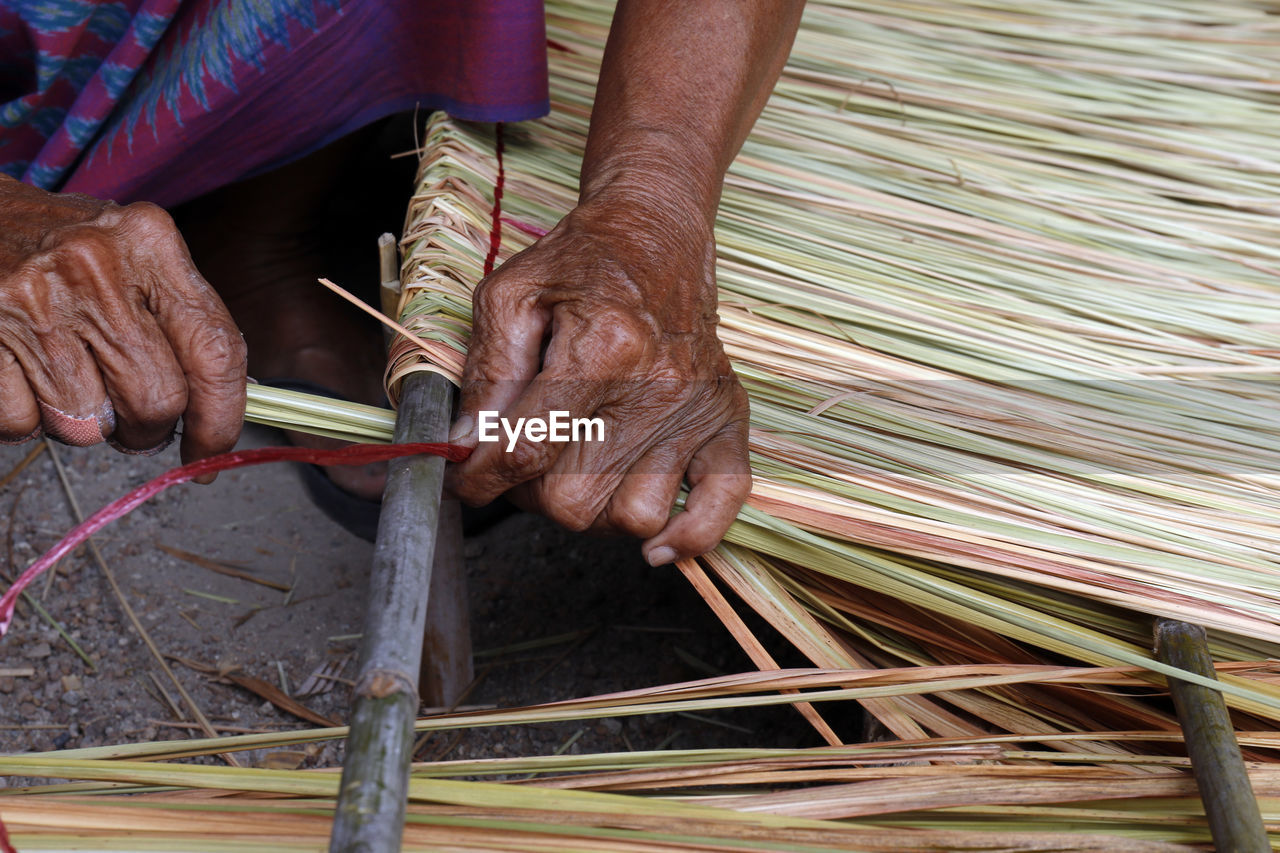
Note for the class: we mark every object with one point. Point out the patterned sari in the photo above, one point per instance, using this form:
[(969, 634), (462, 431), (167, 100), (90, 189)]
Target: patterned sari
[(166, 100)]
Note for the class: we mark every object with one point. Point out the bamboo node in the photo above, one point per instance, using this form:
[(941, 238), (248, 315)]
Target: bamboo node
[(381, 683)]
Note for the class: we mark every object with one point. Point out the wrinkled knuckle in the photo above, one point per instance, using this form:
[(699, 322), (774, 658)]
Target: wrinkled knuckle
[(150, 219), (621, 336), (639, 518), (39, 308), (526, 460), (80, 248), (26, 289), (571, 514), (491, 297), (223, 353)]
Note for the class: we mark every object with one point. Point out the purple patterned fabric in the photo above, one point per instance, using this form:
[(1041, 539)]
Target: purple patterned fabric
[(165, 100)]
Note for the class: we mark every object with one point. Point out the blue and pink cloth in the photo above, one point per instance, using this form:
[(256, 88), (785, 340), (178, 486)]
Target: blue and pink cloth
[(165, 100)]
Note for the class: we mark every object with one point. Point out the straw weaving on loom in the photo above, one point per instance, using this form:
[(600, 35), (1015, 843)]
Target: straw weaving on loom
[(1009, 341)]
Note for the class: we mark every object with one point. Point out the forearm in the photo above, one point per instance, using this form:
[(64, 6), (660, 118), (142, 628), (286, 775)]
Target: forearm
[(683, 81)]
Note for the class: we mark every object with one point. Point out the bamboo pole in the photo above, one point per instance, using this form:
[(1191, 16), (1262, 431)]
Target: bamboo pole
[(404, 582), (447, 668), (375, 773), (1235, 821)]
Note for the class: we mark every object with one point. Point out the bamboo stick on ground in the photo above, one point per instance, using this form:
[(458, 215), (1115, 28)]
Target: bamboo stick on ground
[(1229, 803)]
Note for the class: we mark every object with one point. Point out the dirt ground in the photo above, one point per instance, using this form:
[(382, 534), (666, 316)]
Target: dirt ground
[(630, 625)]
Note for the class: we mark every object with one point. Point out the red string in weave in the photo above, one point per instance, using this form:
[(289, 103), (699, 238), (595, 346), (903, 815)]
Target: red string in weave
[(5, 846), (495, 231), (356, 454)]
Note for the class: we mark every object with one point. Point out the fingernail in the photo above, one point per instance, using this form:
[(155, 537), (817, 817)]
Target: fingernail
[(461, 429), (150, 451), (107, 419), (661, 556)]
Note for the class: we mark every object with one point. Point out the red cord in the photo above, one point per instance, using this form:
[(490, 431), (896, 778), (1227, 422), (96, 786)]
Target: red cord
[(356, 454), (495, 231), (5, 846), (527, 227)]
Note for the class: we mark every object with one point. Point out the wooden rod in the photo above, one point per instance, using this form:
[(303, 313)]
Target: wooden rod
[(1229, 804), (375, 773)]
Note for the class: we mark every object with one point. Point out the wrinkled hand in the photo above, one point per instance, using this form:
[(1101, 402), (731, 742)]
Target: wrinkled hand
[(612, 316), (108, 331)]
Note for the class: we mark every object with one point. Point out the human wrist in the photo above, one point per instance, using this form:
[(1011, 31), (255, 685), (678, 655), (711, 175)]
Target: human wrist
[(657, 166), (666, 234), (648, 188)]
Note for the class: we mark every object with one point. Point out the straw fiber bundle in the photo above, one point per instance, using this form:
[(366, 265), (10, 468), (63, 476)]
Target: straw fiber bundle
[(1003, 793), (1004, 286), (1003, 282)]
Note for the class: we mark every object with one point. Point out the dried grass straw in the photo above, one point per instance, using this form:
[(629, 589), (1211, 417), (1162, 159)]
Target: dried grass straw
[(984, 792)]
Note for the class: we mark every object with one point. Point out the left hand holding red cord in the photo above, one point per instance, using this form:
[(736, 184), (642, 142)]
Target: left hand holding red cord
[(611, 315)]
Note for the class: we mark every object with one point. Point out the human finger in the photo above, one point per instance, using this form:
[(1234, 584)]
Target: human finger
[(104, 300), (642, 502), (580, 352), (199, 330), (42, 336), (144, 382), (68, 389), (581, 480), (597, 352), (525, 441), (19, 415), (77, 430), (720, 479), (504, 353)]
